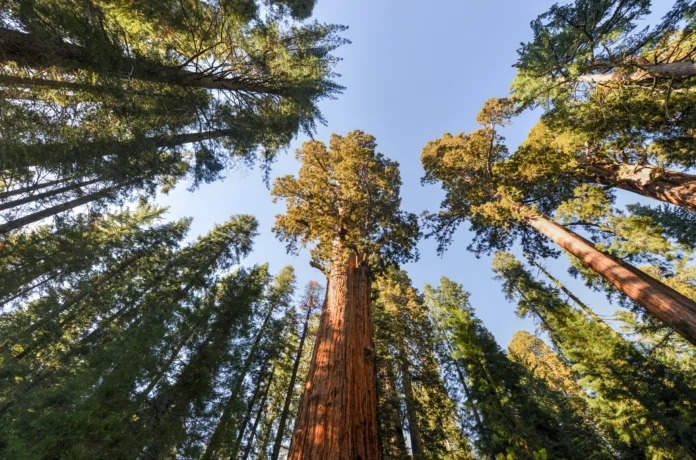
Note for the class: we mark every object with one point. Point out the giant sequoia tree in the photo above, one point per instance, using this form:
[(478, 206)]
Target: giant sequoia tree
[(483, 189), (345, 204)]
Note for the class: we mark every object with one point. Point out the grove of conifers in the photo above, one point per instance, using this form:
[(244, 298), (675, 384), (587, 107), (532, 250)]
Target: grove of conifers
[(122, 336)]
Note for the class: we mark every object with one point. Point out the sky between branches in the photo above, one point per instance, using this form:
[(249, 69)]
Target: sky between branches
[(414, 70)]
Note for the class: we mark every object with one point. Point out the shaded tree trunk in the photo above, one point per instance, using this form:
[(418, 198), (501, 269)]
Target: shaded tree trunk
[(257, 419), (338, 413), (31, 188), (671, 187), (217, 438), (40, 52), (49, 194), (250, 407), (411, 409), (57, 209), (660, 300), (291, 387)]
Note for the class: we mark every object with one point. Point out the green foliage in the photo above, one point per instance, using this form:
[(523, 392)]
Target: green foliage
[(346, 197), (409, 374), (639, 405), (521, 416)]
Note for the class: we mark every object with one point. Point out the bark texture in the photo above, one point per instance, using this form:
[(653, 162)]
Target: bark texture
[(338, 412), (671, 187), (661, 301)]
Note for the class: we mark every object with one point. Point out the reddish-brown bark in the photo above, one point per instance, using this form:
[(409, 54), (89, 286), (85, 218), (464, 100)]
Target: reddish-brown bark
[(672, 187), (338, 412), (660, 300)]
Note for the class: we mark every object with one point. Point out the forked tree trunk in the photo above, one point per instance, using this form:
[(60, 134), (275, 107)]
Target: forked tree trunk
[(671, 187), (338, 413), (411, 410), (660, 300)]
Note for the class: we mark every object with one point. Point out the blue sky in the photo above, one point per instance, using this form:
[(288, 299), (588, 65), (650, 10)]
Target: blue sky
[(414, 71)]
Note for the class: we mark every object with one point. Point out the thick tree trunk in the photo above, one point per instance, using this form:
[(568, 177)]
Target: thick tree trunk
[(49, 194), (57, 209), (291, 386), (38, 52), (338, 414), (411, 410), (671, 187), (660, 300), (642, 72)]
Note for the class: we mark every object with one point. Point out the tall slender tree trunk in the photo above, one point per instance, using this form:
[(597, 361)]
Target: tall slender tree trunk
[(291, 386), (31, 188), (338, 413), (411, 409), (671, 187), (392, 416), (588, 311), (38, 52), (30, 155), (462, 379), (250, 407), (59, 208), (660, 300), (257, 419), (49, 194), (216, 440)]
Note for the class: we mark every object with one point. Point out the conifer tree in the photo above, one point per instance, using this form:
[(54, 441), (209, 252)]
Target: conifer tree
[(107, 101), (404, 346), (112, 348), (345, 203), (639, 404), (523, 417), (482, 188)]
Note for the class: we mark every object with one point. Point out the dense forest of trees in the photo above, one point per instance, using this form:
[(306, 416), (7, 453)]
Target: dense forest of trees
[(124, 336)]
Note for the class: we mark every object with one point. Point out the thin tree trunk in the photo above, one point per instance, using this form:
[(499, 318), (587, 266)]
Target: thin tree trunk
[(291, 386), (9, 80), (216, 440), (31, 188), (57, 209), (395, 415), (28, 155), (259, 414), (668, 186), (250, 407), (38, 52), (411, 410), (338, 413), (49, 194), (660, 300), (588, 311), (462, 380)]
